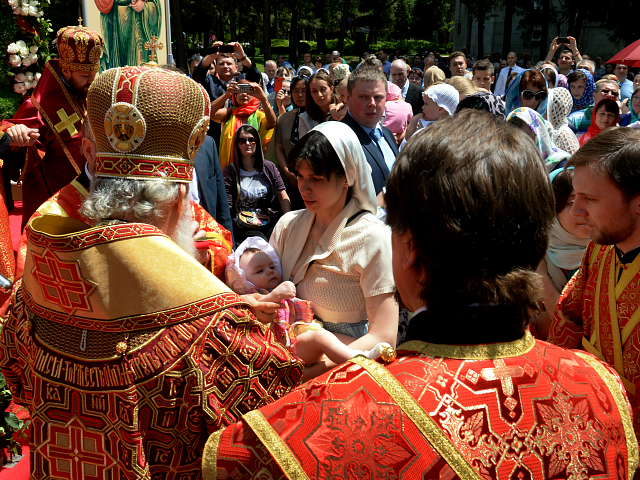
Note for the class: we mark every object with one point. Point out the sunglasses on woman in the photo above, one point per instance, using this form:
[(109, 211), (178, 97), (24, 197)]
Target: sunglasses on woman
[(249, 140), (539, 96)]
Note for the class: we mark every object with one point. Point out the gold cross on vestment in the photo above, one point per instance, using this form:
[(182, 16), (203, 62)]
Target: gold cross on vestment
[(154, 46), (504, 374), (67, 122), (79, 21)]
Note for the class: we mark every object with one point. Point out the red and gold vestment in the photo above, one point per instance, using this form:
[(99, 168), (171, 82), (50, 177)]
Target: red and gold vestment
[(67, 203), (56, 158), (518, 410), (128, 353), (599, 310)]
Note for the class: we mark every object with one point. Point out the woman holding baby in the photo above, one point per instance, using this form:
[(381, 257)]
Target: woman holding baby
[(336, 252)]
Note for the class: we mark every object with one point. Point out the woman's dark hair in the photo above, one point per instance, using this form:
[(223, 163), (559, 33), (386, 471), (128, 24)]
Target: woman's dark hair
[(474, 195), (517, 122), (294, 81), (316, 149), (251, 131), (310, 105), (535, 78), (417, 71), (318, 59), (575, 76), (609, 105), (473, 102), (562, 187)]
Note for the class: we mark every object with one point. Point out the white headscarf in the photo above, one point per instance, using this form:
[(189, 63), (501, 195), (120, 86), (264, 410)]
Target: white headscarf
[(348, 148)]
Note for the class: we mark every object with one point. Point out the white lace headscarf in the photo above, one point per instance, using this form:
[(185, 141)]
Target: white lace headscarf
[(560, 105)]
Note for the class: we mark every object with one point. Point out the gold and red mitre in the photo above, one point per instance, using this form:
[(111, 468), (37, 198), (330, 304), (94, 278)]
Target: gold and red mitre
[(148, 123), (80, 49)]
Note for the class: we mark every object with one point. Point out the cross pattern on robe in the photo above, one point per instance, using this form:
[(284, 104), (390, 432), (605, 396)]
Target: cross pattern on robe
[(503, 373), (67, 122), (154, 46)]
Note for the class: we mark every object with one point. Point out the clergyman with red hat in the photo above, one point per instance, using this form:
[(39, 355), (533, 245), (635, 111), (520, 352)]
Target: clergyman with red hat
[(45, 131)]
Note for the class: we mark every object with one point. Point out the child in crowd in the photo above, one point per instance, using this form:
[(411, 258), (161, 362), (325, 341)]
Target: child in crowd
[(255, 267), (339, 110), (440, 101), (483, 74)]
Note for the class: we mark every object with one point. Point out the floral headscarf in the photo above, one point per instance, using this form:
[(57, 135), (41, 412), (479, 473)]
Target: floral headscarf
[(550, 153), (494, 104), (513, 95), (562, 82), (587, 97)]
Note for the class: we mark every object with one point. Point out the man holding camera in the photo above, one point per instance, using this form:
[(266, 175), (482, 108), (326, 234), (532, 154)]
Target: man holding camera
[(227, 58)]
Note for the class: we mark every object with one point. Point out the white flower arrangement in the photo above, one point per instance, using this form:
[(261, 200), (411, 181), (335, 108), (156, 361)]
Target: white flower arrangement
[(20, 55), (25, 7)]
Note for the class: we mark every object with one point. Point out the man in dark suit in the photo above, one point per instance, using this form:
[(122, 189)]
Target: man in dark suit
[(212, 195), (366, 98), (411, 93), (216, 86)]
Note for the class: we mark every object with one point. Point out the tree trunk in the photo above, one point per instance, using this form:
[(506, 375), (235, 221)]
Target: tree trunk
[(508, 26), (469, 27), (220, 36), (321, 33), (180, 53), (293, 36), (232, 21), (266, 32), (277, 32), (544, 31), (578, 27), (343, 24), (480, 30)]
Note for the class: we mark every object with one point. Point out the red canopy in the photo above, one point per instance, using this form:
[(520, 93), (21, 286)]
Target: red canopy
[(629, 56)]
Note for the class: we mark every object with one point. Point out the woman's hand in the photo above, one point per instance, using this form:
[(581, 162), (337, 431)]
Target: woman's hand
[(258, 92), (202, 256)]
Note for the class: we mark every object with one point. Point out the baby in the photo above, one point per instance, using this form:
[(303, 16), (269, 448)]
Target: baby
[(255, 267), (440, 101)]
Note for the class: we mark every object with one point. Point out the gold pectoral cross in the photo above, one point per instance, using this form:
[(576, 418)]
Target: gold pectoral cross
[(67, 122), (154, 46)]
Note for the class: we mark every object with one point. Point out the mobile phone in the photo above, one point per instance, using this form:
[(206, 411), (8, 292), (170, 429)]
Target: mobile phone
[(277, 84), (221, 49), (564, 40), (245, 88)]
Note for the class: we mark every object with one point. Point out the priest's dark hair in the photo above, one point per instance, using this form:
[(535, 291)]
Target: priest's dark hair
[(613, 153), (475, 196)]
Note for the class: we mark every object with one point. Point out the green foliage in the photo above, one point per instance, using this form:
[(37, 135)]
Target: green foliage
[(9, 101), (411, 47)]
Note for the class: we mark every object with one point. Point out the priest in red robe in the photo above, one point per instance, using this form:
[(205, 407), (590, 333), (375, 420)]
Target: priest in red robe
[(471, 394), (126, 350), (51, 158), (599, 309)]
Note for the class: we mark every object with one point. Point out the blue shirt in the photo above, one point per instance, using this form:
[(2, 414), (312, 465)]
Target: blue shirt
[(626, 90), (387, 152), (386, 67)]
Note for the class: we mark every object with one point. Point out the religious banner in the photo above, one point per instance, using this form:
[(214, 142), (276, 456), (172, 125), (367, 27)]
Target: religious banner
[(131, 30)]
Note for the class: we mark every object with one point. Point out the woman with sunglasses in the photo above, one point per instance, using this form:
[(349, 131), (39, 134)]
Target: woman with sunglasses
[(255, 192), (529, 90)]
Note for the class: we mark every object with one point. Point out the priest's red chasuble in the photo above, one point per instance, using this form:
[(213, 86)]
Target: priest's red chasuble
[(56, 158), (599, 311), (519, 410), (128, 359)]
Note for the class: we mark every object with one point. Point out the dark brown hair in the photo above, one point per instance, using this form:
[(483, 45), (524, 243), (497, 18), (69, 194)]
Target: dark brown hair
[(310, 105), (316, 149), (562, 187), (613, 153), (484, 64), (475, 196)]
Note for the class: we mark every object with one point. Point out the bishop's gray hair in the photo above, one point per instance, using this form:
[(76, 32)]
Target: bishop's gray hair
[(117, 198)]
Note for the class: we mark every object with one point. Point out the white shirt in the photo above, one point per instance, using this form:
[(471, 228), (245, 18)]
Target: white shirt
[(405, 89), (501, 84)]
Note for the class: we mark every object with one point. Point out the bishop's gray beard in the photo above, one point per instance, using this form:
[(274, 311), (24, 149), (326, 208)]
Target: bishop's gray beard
[(182, 235)]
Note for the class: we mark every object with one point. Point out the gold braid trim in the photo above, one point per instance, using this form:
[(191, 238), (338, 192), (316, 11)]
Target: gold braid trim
[(432, 433), (616, 393), (210, 455), (473, 352), (278, 449)]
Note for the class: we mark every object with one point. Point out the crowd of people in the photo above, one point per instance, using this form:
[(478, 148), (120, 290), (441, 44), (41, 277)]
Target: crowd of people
[(382, 271)]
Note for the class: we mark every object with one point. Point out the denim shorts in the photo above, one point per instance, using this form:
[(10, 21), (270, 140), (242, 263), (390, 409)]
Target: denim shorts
[(355, 330)]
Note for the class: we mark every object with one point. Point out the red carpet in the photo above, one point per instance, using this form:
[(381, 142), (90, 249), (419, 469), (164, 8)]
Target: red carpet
[(15, 220)]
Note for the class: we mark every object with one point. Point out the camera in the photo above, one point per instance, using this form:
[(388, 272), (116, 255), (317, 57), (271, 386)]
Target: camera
[(245, 88)]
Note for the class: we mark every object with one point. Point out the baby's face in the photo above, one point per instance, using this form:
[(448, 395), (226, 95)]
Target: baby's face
[(260, 270)]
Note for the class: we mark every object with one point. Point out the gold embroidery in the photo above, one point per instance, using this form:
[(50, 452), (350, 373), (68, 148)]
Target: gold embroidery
[(473, 352), (618, 397), (82, 41), (432, 433), (278, 449), (210, 455)]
